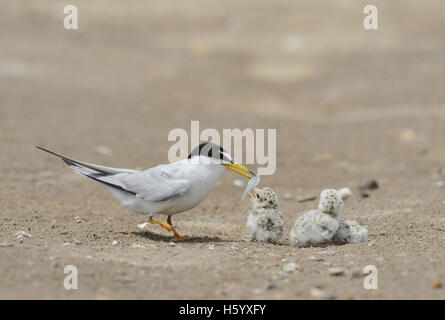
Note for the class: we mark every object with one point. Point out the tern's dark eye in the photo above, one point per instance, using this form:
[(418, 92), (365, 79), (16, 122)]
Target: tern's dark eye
[(258, 196)]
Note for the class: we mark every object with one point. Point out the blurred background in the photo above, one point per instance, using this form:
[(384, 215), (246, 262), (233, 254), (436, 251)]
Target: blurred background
[(347, 103), (135, 70)]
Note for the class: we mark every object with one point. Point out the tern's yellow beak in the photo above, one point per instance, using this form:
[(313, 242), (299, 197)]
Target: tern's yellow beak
[(236, 167)]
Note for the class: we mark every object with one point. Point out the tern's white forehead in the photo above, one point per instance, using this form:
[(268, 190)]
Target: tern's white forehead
[(227, 155)]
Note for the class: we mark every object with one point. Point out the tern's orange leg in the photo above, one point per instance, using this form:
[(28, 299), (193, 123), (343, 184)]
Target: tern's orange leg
[(163, 224), (167, 226), (177, 236)]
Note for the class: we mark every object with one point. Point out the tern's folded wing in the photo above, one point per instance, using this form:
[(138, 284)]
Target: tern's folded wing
[(155, 184)]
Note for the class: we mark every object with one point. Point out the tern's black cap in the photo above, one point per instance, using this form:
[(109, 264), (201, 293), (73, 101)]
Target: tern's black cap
[(210, 150)]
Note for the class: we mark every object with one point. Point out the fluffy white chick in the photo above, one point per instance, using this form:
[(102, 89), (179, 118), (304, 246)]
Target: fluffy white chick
[(317, 227), (265, 222), (314, 228), (349, 231)]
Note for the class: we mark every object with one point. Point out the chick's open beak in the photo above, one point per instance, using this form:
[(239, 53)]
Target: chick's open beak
[(236, 167)]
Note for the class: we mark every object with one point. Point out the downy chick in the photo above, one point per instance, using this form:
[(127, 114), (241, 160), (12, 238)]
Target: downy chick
[(265, 222), (317, 227)]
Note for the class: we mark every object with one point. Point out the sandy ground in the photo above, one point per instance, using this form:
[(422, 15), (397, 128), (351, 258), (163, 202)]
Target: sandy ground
[(348, 104)]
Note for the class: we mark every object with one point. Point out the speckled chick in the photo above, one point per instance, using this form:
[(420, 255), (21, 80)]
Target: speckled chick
[(317, 227), (265, 222), (313, 229), (349, 231)]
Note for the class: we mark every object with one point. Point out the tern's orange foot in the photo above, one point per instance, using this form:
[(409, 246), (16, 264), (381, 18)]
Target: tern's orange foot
[(178, 237)]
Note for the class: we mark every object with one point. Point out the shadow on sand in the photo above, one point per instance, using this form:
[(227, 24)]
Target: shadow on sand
[(159, 237)]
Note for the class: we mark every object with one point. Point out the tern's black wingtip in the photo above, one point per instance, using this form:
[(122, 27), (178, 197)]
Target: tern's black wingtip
[(49, 151), (43, 149)]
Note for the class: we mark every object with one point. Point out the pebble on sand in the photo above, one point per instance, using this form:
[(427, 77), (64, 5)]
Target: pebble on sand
[(436, 284), (289, 267), (336, 271), (439, 184), (370, 184), (20, 235), (142, 225), (356, 274), (314, 258), (76, 241), (272, 285), (317, 293)]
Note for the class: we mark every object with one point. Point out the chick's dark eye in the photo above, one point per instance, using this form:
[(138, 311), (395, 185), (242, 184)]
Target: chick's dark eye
[(258, 196)]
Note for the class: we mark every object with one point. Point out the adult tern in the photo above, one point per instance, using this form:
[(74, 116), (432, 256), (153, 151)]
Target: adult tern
[(166, 189)]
